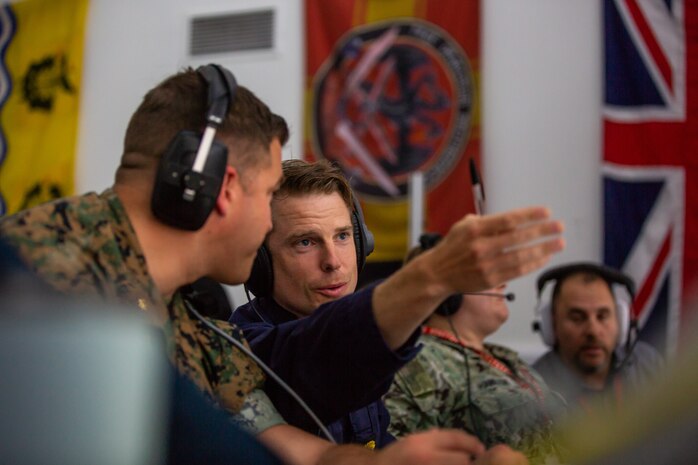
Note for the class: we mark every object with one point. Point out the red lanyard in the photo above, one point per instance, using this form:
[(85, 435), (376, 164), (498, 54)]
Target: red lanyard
[(529, 383)]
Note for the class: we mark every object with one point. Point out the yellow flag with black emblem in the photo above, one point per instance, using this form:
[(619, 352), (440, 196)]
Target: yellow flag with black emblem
[(41, 47)]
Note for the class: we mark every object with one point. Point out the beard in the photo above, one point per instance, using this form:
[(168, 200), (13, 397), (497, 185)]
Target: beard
[(592, 366)]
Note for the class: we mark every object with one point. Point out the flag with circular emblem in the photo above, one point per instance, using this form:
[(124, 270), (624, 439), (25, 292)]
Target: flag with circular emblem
[(41, 49), (392, 88)]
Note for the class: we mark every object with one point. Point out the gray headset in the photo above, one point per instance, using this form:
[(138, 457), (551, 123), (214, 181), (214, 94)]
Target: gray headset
[(616, 280)]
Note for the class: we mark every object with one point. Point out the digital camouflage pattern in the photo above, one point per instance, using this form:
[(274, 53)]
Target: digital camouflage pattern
[(440, 388), (86, 245)]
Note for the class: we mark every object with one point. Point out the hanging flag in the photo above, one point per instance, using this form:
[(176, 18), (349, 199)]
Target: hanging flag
[(650, 147), (392, 88), (41, 47)]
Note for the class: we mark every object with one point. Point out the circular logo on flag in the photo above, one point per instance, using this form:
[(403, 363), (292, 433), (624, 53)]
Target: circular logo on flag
[(393, 98)]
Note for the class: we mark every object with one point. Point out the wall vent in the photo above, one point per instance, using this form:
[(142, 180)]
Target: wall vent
[(233, 32)]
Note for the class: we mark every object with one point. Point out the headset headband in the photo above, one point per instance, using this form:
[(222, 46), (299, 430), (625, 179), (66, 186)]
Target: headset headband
[(608, 274)]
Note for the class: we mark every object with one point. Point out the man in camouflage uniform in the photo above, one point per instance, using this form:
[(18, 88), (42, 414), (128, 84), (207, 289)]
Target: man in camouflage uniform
[(112, 246), (458, 381)]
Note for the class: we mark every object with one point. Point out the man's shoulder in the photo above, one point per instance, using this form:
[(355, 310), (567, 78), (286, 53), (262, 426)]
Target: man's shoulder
[(207, 351), (52, 235), (644, 350), (81, 245), (208, 331), (228, 328), (554, 371), (430, 369), (644, 361), (45, 221)]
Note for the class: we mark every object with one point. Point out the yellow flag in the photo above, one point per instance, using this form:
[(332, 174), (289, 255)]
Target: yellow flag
[(40, 79)]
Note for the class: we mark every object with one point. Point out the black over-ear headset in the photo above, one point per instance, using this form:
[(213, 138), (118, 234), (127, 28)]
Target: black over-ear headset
[(614, 278), (261, 280), (191, 171), (451, 305)]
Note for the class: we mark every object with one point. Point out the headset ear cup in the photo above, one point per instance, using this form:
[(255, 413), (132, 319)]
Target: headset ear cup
[(167, 202), (545, 323), (623, 313), (363, 238), (261, 280), (450, 306), (358, 241)]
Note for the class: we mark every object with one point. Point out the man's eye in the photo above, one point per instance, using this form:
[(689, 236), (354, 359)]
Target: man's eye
[(304, 242), (344, 236)]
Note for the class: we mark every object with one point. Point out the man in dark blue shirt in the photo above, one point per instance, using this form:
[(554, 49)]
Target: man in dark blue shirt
[(341, 355), (319, 244)]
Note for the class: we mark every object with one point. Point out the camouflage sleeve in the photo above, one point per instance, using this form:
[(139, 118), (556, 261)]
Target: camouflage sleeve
[(412, 401), (257, 413), (231, 373)]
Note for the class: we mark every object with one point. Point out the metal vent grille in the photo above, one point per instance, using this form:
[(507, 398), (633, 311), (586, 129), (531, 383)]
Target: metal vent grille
[(232, 32)]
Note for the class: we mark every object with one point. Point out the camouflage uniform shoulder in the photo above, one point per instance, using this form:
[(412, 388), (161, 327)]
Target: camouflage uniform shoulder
[(51, 238), (426, 389), (216, 366), (83, 245)]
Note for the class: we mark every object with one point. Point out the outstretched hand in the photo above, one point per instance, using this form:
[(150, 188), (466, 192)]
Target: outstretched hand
[(482, 252), (478, 253)]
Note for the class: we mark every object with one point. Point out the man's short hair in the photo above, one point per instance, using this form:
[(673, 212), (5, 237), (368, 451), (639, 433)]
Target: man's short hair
[(587, 277), (179, 103), (321, 177)]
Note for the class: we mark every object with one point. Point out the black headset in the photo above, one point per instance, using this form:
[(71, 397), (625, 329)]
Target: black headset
[(453, 302), (451, 305), (614, 278), (261, 280), (191, 171)]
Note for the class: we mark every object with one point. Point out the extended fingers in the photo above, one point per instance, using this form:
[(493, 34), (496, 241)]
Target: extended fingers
[(501, 257), (507, 221), (483, 252), (523, 260), (483, 243), (524, 235)]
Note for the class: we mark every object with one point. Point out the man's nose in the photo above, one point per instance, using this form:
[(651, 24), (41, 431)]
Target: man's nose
[(330, 258), (594, 327)]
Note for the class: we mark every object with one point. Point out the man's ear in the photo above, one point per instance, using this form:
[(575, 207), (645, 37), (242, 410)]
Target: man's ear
[(229, 190)]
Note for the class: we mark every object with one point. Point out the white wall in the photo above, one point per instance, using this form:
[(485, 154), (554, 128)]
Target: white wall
[(131, 45), (542, 86), (541, 103)]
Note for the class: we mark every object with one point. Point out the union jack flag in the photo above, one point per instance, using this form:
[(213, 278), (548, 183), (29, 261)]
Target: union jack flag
[(650, 168)]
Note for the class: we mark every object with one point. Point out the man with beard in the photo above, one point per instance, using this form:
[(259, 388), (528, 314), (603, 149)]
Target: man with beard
[(588, 327)]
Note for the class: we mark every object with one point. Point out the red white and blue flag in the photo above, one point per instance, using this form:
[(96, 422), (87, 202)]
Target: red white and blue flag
[(651, 157)]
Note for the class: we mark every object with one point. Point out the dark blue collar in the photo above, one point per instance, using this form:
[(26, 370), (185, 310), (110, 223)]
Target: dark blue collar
[(271, 312)]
